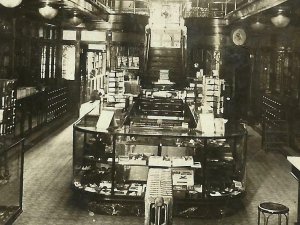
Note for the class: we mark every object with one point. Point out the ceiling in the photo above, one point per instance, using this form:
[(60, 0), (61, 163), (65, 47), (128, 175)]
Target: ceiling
[(95, 11)]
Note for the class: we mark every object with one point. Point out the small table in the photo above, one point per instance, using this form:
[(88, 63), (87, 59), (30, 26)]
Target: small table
[(295, 161)]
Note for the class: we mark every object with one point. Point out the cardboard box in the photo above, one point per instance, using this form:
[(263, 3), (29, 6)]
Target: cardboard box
[(183, 177), (160, 161), (182, 161)]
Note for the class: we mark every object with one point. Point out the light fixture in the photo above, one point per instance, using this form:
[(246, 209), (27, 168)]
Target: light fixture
[(10, 3), (75, 20), (257, 26), (280, 20), (48, 12)]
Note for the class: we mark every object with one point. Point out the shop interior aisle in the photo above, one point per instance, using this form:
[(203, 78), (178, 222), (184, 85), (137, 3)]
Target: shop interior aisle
[(48, 198)]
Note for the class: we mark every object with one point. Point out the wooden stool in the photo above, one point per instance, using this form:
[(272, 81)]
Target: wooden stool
[(270, 208)]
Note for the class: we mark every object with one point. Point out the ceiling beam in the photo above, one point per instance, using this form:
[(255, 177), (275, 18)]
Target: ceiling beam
[(100, 5), (87, 7), (251, 8)]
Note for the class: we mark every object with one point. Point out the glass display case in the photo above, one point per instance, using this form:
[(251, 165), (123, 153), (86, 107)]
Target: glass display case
[(11, 180), (113, 164)]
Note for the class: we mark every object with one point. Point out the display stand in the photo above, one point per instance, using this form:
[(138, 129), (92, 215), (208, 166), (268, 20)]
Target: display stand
[(112, 166)]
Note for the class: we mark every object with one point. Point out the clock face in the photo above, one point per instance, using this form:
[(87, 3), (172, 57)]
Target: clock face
[(239, 36)]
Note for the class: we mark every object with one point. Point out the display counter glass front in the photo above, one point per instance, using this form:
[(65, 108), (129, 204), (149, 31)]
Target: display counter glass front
[(113, 164), (11, 181)]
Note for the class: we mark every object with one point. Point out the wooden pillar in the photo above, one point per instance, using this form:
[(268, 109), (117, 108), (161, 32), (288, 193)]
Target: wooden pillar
[(108, 49), (59, 47), (13, 49), (77, 72)]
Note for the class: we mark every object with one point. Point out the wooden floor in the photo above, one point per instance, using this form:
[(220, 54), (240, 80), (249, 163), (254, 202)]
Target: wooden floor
[(48, 197)]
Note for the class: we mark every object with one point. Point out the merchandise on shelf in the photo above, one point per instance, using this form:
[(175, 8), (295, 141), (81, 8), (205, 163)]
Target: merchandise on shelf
[(183, 177), (7, 106), (133, 159), (160, 161), (212, 94), (115, 86)]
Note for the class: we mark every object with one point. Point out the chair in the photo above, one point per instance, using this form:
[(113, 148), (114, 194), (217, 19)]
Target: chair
[(270, 208)]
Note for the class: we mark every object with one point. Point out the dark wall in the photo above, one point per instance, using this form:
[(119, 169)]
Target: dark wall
[(208, 37)]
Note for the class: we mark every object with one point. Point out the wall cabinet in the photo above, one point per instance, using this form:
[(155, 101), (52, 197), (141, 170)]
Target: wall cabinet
[(39, 108), (280, 122)]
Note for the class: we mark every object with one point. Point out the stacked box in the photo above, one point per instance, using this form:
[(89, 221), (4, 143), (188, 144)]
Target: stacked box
[(212, 94), (115, 87)]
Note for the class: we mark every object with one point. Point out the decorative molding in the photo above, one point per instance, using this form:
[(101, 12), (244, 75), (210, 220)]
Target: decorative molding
[(252, 8)]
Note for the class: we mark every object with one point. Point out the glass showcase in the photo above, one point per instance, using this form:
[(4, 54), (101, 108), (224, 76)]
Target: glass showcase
[(11, 181), (113, 164)]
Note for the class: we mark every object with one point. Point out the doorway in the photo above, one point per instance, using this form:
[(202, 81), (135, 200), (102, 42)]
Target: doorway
[(93, 70)]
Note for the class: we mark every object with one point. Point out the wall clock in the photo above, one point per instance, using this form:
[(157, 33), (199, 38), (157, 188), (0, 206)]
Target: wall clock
[(239, 36)]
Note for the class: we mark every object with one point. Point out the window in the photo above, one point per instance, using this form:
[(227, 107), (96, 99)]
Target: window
[(43, 62), (48, 60), (69, 35), (68, 62)]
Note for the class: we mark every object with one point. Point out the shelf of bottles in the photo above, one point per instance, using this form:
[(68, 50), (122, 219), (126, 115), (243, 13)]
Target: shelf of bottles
[(7, 106), (57, 103)]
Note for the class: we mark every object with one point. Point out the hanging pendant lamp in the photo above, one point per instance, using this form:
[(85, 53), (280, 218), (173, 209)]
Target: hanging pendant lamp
[(280, 20), (75, 20), (10, 3), (48, 12), (257, 26)]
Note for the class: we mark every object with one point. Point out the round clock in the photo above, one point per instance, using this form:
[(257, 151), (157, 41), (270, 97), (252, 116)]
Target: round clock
[(239, 36)]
